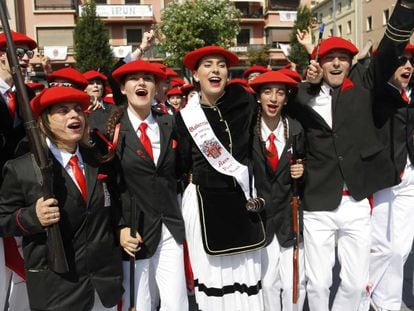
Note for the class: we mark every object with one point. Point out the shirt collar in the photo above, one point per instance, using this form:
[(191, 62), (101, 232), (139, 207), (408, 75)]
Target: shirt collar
[(278, 131), (326, 89), (136, 121), (62, 155), (4, 87)]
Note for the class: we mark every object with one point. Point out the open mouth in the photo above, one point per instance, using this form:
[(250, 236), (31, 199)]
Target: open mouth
[(272, 108), (336, 72), (215, 81), (75, 126), (141, 92), (406, 75)]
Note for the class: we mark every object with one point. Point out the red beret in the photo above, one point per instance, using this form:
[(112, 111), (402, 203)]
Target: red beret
[(256, 68), (18, 38), (191, 59), (335, 43), (36, 85), (177, 82), (272, 77), (69, 74), (174, 91), (56, 95), (291, 74), (187, 88), (93, 74), (138, 66)]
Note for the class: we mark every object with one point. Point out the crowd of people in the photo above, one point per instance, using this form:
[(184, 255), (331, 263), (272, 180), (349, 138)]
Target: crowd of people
[(164, 188)]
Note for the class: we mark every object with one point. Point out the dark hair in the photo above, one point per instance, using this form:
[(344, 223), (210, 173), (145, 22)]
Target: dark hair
[(113, 119)]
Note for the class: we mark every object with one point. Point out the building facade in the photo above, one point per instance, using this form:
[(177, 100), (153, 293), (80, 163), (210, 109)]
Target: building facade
[(51, 24)]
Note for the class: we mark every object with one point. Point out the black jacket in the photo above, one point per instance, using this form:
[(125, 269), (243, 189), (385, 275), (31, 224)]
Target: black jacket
[(87, 229)]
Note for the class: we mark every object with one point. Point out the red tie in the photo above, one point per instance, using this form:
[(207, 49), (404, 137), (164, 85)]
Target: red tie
[(11, 104), (272, 155), (79, 177), (146, 142), (404, 96)]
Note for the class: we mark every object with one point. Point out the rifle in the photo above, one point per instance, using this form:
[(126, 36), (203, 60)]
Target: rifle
[(296, 236), (133, 233), (56, 253)]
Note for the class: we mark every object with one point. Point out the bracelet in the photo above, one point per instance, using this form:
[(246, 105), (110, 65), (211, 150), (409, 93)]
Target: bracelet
[(142, 51)]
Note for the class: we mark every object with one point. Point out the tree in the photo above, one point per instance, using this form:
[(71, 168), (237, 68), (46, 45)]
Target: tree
[(258, 56), (193, 24), (297, 53), (92, 50)]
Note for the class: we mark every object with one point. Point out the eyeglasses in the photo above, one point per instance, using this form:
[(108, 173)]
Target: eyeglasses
[(21, 51), (65, 84), (403, 60)]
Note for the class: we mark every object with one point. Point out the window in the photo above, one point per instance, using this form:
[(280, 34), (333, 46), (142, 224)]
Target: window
[(100, 1), (331, 33), (330, 12), (290, 5), (369, 23), (55, 5), (55, 37), (339, 7), (243, 38), (134, 37), (339, 31), (385, 17), (349, 4), (132, 1), (348, 27), (243, 7)]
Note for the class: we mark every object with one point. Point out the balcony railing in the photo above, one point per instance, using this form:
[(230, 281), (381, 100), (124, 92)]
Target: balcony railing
[(55, 5), (252, 13)]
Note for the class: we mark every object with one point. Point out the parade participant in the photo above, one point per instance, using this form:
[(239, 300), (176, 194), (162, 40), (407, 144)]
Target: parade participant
[(83, 204), (188, 91), (147, 154), (11, 132), (177, 82), (224, 238), (346, 161), (67, 77), (275, 136), (392, 218), (254, 71), (174, 100), (96, 90)]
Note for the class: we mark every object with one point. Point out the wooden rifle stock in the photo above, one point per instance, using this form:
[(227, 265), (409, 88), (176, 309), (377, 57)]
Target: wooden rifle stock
[(56, 253), (133, 233), (296, 237)]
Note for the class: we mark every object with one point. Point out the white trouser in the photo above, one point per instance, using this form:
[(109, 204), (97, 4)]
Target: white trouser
[(168, 266), (351, 223), (277, 277), (392, 238)]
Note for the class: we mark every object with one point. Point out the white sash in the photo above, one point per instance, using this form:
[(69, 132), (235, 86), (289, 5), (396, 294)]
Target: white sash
[(211, 147)]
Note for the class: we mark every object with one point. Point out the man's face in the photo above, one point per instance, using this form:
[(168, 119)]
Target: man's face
[(23, 53), (402, 75), (335, 66)]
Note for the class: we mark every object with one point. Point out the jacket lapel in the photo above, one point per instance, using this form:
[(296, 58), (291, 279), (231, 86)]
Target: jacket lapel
[(338, 113), (91, 171), (132, 141), (165, 126)]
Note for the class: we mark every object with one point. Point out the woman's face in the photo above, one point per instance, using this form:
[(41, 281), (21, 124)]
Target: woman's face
[(176, 101), (212, 75), (95, 88), (67, 122), (272, 98), (139, 88)]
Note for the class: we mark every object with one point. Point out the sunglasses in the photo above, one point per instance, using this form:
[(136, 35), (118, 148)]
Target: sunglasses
[(21, 51), (65, 84), (403, 60)]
